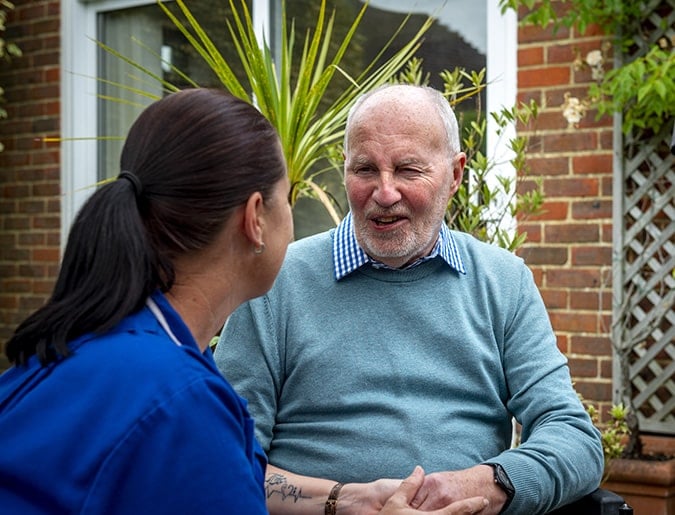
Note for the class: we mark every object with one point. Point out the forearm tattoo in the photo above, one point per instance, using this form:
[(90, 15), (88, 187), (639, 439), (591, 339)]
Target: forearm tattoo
[(277, 484)]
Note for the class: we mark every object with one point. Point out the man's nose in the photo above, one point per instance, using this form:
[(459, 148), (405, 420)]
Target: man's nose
[(386, 191)]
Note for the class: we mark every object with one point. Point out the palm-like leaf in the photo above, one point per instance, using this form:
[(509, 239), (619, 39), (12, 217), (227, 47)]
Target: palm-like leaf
[(305, 129)]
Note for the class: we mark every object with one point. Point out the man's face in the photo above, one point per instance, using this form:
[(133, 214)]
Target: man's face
[(399, 176)]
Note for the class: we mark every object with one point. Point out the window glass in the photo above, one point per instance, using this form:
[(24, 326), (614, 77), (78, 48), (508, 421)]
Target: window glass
[(146, 36)]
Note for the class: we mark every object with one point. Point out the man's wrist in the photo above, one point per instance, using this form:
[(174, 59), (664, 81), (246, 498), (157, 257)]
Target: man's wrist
[(501, 479)]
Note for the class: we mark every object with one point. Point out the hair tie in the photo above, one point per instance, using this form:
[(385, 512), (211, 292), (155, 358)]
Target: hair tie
[(135, 182)]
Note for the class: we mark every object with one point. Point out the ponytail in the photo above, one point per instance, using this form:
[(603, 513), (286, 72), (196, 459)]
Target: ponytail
[(108, 270)]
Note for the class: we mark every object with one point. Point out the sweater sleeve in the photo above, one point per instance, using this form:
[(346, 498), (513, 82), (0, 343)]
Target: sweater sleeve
[(560, 455), (251, 337), (192, 453)]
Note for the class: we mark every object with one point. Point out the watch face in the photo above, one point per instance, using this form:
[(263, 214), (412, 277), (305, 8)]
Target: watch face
[(502, 479)]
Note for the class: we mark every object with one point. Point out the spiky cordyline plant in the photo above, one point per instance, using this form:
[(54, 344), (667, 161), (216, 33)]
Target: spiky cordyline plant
[(308, 132)]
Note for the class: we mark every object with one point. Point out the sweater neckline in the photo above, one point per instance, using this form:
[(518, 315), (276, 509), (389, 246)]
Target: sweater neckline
[(416, 273)]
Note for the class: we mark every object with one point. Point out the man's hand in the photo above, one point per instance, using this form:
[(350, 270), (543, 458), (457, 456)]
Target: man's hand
[(441, 489), (399, 503)]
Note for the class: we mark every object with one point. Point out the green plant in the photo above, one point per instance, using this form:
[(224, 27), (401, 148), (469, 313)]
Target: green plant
[(613, 433), (642, 89), (290, 91)]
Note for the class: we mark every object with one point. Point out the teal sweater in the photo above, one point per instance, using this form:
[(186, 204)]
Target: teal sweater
[(366, 377)]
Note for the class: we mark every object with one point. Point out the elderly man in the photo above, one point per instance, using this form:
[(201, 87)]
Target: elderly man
[(392, 341)]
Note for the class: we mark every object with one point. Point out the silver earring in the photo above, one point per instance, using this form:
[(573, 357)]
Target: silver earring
[(259, 250)]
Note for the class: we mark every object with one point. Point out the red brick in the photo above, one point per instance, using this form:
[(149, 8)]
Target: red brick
[(555, 298), (571, 187), (526, 96), (572, 278), (562, 343), (592, 164), (46, 27), (43, 287), (571, 233), (607, 233), (593, 345), (17, 286), (538, 275), (591, 209), (590, 300), (552, 210), (572, 141), (543, 166), (606, 139), (531, 34), (551, 120), (583, 367), (542, 255), (606, 186), (606, 368), (568, 52), (573, 322), (15, 191), (530, 56), (31, 239), (8, 302), (32, 270), (46, 222), (544, 76), (592, 255), (591, 120), (30, 12), (45, 254), (31, 206), (533, 231), (594, 390)]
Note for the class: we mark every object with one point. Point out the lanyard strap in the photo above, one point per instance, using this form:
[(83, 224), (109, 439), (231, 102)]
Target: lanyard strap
[(154, 308)]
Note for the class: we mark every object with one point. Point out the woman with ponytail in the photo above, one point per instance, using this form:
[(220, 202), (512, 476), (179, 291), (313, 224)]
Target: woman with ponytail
[(114, 403)]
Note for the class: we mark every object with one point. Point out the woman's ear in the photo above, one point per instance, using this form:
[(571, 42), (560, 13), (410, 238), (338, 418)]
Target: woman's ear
[(253, 220)]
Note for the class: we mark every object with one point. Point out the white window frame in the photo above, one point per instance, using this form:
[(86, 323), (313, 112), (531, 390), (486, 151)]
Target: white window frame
[(79, 88)]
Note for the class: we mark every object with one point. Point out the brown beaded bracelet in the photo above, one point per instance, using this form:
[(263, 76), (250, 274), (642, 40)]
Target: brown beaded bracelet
[(331, 502)]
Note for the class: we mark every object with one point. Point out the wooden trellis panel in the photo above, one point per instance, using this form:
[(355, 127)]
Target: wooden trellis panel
[(644, 257)]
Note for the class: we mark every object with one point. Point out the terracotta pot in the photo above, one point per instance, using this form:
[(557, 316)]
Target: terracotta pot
[(647, 485)]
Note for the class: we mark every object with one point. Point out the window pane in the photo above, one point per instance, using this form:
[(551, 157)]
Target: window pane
[(148, 37), (457, 39)]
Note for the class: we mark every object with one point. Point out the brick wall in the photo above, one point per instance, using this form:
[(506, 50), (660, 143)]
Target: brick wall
[(29, 167), (569, 246)]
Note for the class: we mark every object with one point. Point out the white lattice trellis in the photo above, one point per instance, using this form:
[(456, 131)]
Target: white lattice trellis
[(644, 258)]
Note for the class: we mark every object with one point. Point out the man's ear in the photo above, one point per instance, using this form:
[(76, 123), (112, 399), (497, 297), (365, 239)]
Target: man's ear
[(458, 163), (253, 219)]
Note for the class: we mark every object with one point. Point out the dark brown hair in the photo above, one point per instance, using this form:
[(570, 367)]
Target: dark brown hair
[(188, 161)]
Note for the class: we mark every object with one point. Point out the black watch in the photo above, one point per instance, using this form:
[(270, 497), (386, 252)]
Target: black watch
[(502, 481)]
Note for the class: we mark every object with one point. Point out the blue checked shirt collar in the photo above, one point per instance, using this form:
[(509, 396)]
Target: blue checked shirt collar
[(348, 255)]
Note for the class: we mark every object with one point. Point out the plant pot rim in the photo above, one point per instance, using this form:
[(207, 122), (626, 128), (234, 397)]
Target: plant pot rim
[(646, 471)]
